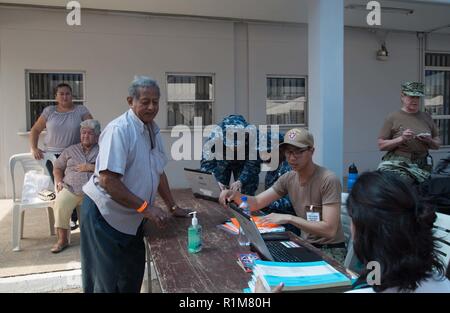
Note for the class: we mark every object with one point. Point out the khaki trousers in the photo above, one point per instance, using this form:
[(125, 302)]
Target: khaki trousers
[(64, 205)]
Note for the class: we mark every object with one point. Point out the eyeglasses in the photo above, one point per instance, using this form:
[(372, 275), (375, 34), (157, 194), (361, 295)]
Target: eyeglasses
[(295, 152)]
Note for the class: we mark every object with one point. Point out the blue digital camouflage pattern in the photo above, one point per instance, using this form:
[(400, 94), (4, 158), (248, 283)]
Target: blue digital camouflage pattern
[(247, 171)]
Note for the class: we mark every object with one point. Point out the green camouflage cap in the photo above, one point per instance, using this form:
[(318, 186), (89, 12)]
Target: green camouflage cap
[(413, 89)]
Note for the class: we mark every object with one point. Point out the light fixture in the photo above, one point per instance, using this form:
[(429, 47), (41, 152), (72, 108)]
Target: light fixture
[(382, 54), (383, 9), (381, 36)]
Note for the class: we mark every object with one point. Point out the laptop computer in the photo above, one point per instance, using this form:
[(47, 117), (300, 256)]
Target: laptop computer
[(203, 184), (272, 246)]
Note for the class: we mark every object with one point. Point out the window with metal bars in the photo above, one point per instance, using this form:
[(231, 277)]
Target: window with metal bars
[(41, 91), (286, 100), (437, 92), (189, 96)]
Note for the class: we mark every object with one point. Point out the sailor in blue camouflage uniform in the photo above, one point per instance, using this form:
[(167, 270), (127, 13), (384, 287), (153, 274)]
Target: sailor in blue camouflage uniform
[(283, 205), (245, 172)]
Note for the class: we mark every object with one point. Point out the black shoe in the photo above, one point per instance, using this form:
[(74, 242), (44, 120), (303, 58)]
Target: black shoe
[(73, 225)]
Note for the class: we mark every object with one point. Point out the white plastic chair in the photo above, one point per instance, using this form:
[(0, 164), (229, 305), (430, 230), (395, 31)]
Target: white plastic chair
[(28, 163), (442, 232), (351, 262), (345, 218)]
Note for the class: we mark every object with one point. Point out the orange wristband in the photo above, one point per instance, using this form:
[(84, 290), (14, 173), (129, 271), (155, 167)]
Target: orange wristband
[(142, 207)]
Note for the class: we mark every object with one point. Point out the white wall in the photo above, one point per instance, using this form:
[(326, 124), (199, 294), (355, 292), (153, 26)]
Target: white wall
[(372, 89), (273, 50), (438, 42), (112, 48)]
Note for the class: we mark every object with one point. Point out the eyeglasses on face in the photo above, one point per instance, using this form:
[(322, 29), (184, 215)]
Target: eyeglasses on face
[(295, 152)]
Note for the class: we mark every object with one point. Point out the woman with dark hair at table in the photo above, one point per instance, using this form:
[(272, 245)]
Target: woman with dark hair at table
[(390, 226)]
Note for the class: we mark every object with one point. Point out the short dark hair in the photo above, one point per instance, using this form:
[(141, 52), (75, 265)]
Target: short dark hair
[(62, 85), (393, 228)]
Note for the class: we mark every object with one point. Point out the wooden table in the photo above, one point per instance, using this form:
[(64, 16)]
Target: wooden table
[(212, 270)]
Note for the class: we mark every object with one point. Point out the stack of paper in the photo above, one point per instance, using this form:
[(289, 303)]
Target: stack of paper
[(233, 226), (298, 276)]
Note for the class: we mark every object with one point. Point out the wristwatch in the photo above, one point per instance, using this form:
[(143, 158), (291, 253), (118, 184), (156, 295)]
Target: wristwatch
[(173, 208)]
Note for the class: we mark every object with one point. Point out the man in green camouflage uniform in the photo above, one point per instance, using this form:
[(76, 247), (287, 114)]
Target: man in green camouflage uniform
[(407, 135)]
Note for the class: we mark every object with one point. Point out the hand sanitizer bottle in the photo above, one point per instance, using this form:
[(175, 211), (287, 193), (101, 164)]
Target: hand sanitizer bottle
[(194, 235)]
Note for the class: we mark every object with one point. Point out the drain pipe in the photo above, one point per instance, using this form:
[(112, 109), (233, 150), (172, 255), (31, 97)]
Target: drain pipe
[(422, 40)]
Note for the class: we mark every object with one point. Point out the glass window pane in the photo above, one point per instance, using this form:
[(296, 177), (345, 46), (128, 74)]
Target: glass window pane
[(437, 99), (183, 113), (41, 87), (437, 59), (189, 88), (287, 112), (444, 130), (286, 100), (285, 88), (436, 92)]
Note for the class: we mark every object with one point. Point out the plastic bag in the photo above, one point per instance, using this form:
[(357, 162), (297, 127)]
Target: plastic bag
[(33, 183)]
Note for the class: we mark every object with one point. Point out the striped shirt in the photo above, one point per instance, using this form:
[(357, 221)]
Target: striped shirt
[(69, 159), (63, 128)]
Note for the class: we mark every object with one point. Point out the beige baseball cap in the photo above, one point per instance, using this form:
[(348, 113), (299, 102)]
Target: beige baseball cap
[(298, 137)]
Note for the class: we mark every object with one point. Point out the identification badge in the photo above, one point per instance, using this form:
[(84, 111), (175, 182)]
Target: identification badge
[(311, 215)]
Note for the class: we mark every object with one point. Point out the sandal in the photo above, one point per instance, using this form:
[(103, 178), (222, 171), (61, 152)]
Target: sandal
[(57, 248)]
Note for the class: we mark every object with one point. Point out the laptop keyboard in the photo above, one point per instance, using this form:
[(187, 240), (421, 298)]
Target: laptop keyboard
[(280, 253)]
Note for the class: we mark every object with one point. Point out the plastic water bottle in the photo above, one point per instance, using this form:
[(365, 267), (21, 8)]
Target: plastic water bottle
[(244, 205), (242, 238), (352, 176)]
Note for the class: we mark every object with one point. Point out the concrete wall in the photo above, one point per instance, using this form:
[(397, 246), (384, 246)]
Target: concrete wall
[(372, 90), (112, 48), (438, 42), (273, 50)]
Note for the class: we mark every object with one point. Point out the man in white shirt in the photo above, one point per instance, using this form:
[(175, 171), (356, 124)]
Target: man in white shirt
[(119, 197)]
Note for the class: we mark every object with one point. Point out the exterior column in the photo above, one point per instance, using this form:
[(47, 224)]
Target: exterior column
[(326, 82)]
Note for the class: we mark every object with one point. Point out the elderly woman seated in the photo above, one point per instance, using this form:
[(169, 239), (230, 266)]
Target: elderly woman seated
[(72, 170)]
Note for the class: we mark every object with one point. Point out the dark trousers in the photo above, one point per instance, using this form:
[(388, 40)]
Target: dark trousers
[(111, 261)]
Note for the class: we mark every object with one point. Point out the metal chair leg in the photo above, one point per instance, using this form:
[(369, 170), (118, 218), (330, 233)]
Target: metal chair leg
[(148, 259)]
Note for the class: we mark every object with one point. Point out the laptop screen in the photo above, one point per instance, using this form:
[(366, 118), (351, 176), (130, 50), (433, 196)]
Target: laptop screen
[(292, 252), (251, 231), (202, 183)]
